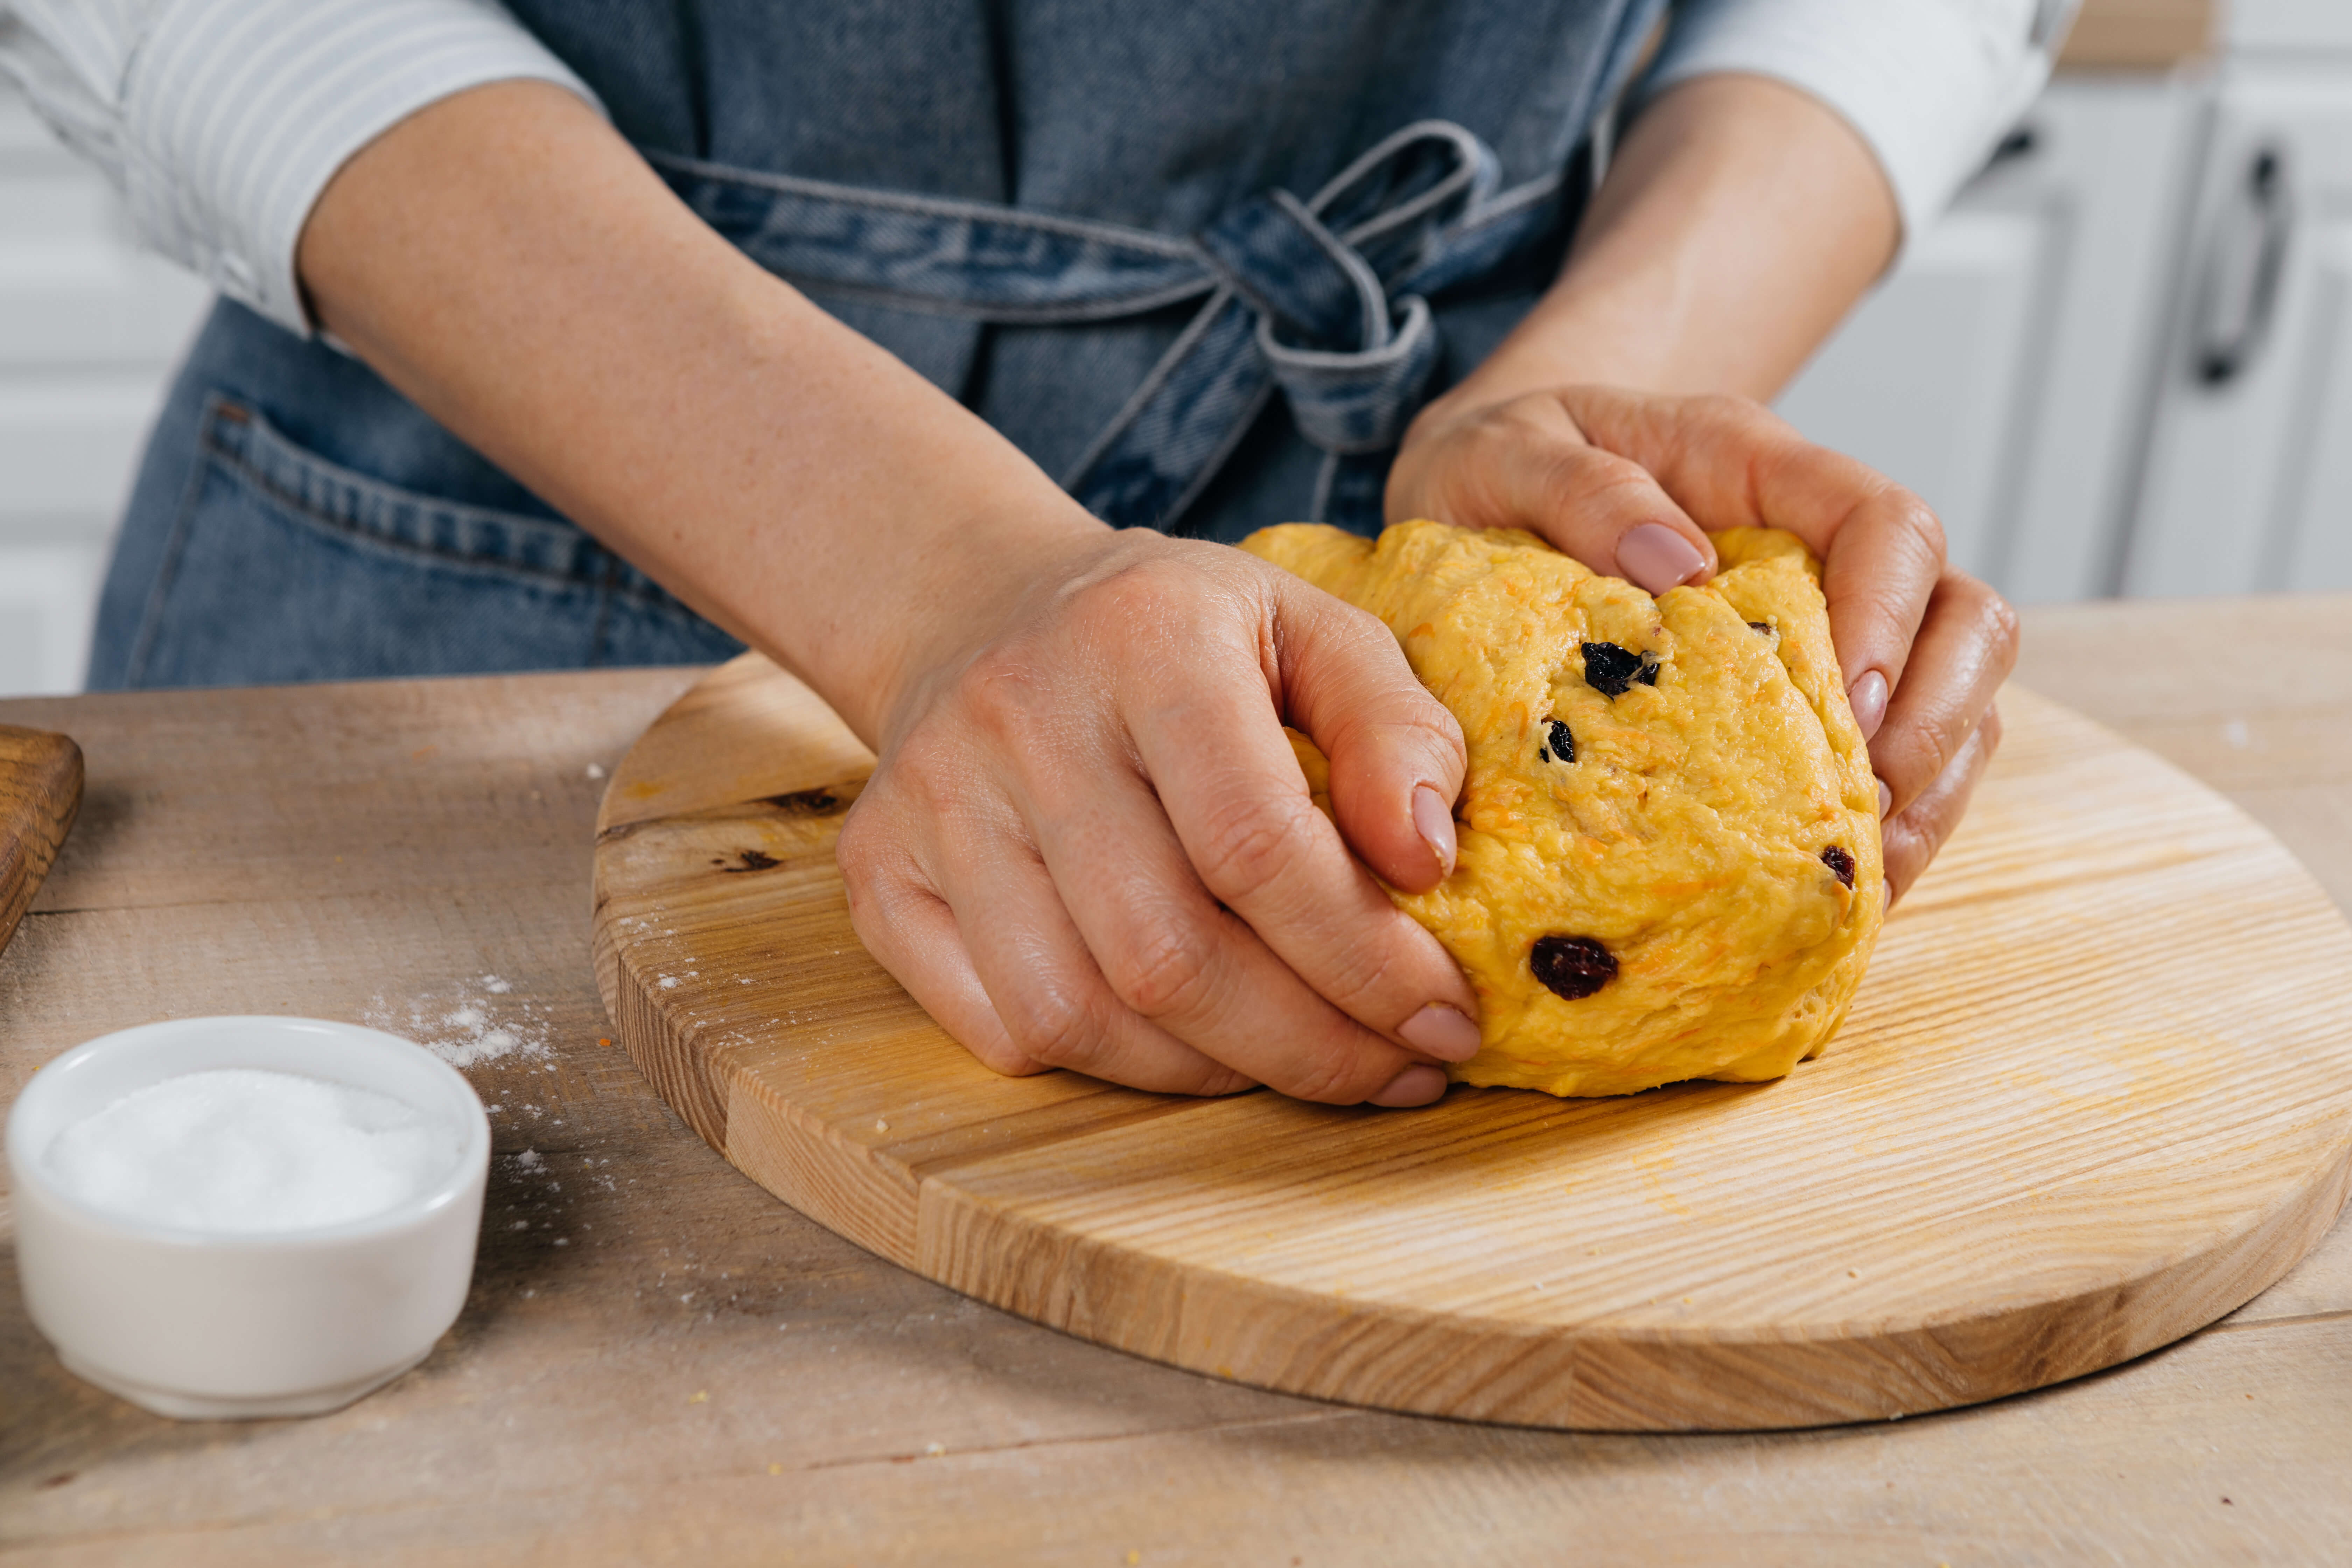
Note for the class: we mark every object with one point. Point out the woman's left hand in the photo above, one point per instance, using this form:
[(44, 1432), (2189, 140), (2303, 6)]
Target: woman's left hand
[(1630, 483)]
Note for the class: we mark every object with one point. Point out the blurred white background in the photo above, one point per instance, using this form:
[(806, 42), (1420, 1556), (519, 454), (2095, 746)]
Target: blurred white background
[(89, 332), (2114, 367)]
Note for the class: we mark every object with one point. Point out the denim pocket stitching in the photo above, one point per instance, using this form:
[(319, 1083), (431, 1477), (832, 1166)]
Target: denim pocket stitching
[(599, 577)]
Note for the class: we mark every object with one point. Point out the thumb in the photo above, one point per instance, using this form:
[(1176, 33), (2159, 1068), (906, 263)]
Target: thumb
[(1605, 510), (1395, 752)]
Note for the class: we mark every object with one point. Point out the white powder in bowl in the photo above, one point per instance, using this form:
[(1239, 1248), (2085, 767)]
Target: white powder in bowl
[(247, 1152)]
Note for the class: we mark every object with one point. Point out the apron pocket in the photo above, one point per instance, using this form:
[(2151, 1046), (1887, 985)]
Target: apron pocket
[(282, 566)]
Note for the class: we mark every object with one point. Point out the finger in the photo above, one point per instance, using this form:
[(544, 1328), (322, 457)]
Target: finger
[(1170, 952), (1054, 1013), (912, 932), (1396, 753), (1909, 839), (1534, 469), (1053, 1001), (1733, 464), (1965, 648), (1229, 786)]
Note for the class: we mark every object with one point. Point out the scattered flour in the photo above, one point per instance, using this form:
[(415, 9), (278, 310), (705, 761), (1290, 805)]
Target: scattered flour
[(467, 1029)]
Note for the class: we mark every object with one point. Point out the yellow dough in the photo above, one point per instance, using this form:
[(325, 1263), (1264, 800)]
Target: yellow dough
[(1696, 838)]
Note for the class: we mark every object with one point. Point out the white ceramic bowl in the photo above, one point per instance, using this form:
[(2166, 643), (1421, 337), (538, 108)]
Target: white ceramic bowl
[(201, 1325)]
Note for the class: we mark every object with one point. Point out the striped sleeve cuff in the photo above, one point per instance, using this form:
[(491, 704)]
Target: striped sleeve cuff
[(237, 115), (1929, 84)]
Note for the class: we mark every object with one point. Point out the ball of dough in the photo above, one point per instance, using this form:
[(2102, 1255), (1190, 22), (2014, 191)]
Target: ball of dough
[(1669, 858)]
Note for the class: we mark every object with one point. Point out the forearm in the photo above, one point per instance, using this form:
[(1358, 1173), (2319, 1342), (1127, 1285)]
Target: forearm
[(509, 263), (1739, 221)]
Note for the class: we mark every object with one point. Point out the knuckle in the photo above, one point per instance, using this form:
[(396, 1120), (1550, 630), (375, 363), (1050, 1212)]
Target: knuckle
[(1428, 729), (1590, 495), (1951, 741), (1515, 419), (1938, 743), (1364, 977), (1916, 518), (1731, 409), (1593, 474), (1165, 973), (1003, 1058), (933, 790), (997, 691), (1054, 1024), (1330, 1078), (1903, 854), (1355, 638), (869, 859), (1137, 592), (882, 910), (2002, 629), (1249, 849), (1410, 729)]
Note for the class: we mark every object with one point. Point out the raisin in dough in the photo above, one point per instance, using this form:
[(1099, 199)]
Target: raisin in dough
[(1669, 861)]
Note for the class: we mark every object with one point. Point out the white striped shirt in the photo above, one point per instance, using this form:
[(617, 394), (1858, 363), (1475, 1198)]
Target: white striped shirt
[(222, 120)]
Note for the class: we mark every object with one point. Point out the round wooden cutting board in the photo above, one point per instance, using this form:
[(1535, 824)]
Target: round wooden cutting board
[(2095, 1092)]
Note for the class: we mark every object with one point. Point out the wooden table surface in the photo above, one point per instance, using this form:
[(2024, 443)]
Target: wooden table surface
[(661, 1364)]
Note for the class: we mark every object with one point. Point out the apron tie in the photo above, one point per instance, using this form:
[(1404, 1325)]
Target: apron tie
[(1323, 300)]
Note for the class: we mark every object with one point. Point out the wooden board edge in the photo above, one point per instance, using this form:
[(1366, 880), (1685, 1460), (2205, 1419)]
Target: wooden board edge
[(681, 1077), (1581, 1377), (794, 1156), (849, 1187), (53, 769)]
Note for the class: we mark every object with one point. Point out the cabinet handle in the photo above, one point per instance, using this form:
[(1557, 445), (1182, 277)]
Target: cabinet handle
[(2020, 143), (2239, 290)]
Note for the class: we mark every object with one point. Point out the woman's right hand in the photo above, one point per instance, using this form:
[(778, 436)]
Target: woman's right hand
[(1088, 844)]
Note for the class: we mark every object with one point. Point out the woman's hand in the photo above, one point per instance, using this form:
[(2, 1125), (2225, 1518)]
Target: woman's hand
[(1629, 483), (1088, 844)]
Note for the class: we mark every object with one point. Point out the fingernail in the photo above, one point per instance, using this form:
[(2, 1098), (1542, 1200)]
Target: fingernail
[(1656, 558), (1867, 697), (1445, 1033), (1885, 797), (1419, 1085), (1434, 820)]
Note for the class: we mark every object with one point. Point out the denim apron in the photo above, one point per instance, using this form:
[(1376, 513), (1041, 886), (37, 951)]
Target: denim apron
[(1201, 262)]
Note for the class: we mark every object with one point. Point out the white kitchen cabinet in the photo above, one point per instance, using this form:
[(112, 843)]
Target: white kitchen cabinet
[(2296, 26), (2000, 370), (2249, 479), (89, 329)]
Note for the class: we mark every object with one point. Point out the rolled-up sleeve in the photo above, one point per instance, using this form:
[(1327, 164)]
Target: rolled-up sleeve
[(222, 120), (1929, 84)]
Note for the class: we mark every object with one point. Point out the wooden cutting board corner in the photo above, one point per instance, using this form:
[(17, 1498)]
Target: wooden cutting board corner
[(2042, 1145)]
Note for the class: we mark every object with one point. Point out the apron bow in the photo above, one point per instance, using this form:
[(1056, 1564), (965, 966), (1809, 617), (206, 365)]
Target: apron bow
[(1323, 299)]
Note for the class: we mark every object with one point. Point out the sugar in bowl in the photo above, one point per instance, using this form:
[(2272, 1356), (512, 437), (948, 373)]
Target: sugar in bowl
[(245, 1217)]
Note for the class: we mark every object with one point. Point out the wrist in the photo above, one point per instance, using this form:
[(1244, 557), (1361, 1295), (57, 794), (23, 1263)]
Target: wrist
[(971, 583)]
